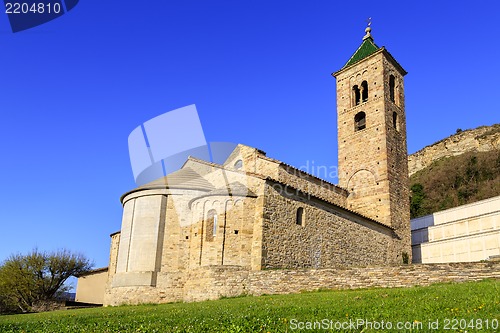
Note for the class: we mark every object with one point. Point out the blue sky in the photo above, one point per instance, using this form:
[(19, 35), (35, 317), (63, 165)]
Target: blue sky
[(73, 89)]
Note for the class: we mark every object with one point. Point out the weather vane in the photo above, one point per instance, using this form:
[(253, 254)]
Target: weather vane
[(368, 29)]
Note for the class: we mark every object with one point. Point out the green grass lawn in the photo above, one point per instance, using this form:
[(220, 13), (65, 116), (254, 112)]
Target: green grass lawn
[(471, 307)]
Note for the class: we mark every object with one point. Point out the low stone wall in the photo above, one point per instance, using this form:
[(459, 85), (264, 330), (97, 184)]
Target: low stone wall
[(169, 288), (293, 281), (219, 281), (213, 282)]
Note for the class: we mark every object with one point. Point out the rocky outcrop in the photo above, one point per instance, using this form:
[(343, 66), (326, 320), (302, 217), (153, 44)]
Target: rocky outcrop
[(484, 138)]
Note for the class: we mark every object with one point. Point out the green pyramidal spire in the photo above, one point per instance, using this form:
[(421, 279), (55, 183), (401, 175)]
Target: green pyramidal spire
[(367, 48)]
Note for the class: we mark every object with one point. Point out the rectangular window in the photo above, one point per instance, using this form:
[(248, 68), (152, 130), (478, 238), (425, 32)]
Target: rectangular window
[(299, 219)]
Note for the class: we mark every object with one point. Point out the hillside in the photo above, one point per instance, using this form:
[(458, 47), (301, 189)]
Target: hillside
[(460, 169), (481, 139)]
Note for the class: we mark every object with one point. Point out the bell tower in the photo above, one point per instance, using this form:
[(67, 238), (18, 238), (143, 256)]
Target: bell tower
[(372, 152)]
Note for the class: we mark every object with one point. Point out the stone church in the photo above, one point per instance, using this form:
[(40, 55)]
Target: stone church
[(207, 221)]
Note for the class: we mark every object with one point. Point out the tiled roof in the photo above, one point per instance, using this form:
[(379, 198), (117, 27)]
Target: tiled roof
[(286, 165), (183, 178), (93, 271)]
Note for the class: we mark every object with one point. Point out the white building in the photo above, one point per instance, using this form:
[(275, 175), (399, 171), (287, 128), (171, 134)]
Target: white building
[(462, 234)]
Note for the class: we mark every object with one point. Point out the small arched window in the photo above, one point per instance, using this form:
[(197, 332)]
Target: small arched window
[(364, 91), (395, 121), (238, 164), (299, 220), (392, 87), (359, 121), (211, 230), (356, 95)]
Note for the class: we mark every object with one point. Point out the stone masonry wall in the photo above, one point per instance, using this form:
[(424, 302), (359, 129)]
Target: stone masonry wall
[(397, 161), (214, 282), (232, 242), (328, 236), (113, 260)]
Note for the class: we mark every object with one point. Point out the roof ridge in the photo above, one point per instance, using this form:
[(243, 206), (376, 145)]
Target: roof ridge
[(328, 200), (281, 163)]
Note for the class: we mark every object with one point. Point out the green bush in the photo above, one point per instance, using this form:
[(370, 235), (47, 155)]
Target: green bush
[(454, 181)]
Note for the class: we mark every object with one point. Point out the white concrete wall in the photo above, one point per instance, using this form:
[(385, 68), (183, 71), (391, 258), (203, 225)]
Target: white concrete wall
[(462, 234), (149, 218)]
